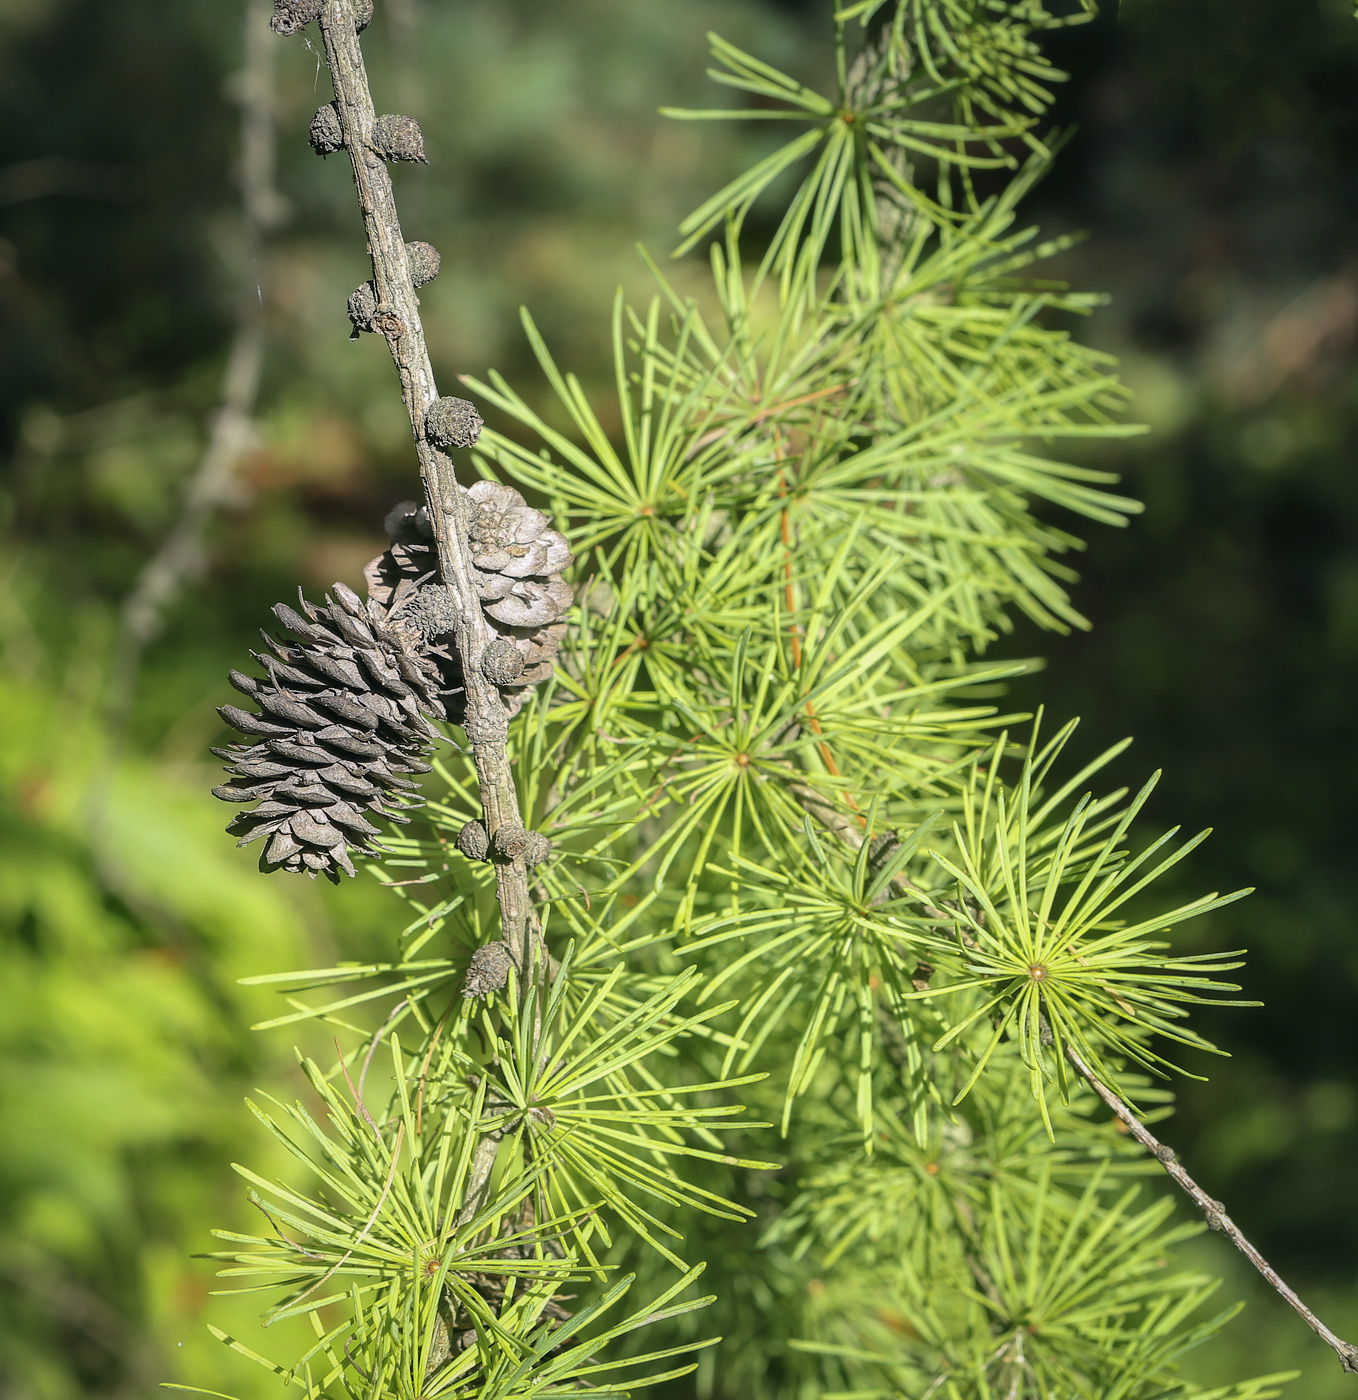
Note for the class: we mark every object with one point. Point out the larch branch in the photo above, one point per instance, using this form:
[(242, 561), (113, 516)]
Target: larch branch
[(397, 319), (1213, 1211)]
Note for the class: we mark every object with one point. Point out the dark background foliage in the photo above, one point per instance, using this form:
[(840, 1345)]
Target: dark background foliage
[(1213, 170)]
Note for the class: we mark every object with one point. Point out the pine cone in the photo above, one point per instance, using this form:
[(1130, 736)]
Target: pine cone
[(344, 713), (518, 560)]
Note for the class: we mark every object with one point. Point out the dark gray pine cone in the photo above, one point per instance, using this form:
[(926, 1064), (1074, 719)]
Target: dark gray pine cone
[(343, 715), (518, 561), (430, 611)]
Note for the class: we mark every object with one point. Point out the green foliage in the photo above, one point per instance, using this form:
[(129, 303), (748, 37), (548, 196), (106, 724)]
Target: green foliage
[(1039, 937), (796, 852), (124, 1057)]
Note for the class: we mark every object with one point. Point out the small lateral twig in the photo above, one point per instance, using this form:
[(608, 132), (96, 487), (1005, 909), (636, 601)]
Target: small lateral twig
[(367, 1224), (852, 833), (180, 555), (1213, 1211), (397, 319)]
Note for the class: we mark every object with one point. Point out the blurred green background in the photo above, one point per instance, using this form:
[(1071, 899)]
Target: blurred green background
[(1214, 171)]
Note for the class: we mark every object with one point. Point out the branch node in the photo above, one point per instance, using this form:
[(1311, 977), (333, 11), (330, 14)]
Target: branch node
[(502, 662), (488, 970), (472, 841), (387, 323), (424, 261), (517, 843), (291, 16), (327, 136), (398, 138), (487, 731), (362, 308), (451, 422)]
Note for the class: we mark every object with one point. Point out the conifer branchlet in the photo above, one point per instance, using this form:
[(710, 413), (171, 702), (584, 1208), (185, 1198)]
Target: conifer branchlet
[(781, 841)]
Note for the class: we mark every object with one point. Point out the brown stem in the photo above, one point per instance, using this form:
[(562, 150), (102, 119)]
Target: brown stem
[(398, 319), (181, 552), (794, 627), (1213, 1211), (851, 832), (478, 1176)]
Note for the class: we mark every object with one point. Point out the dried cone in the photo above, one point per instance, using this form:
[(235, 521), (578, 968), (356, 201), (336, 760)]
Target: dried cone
[(518, 560), (343, 714)]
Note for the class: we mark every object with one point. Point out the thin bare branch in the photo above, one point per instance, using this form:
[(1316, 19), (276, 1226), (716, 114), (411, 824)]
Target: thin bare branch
[(1213, 1211), (839, 825), (180, 555)]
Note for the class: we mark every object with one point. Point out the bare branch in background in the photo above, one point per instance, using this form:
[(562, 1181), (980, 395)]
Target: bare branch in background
[(180, 556)]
